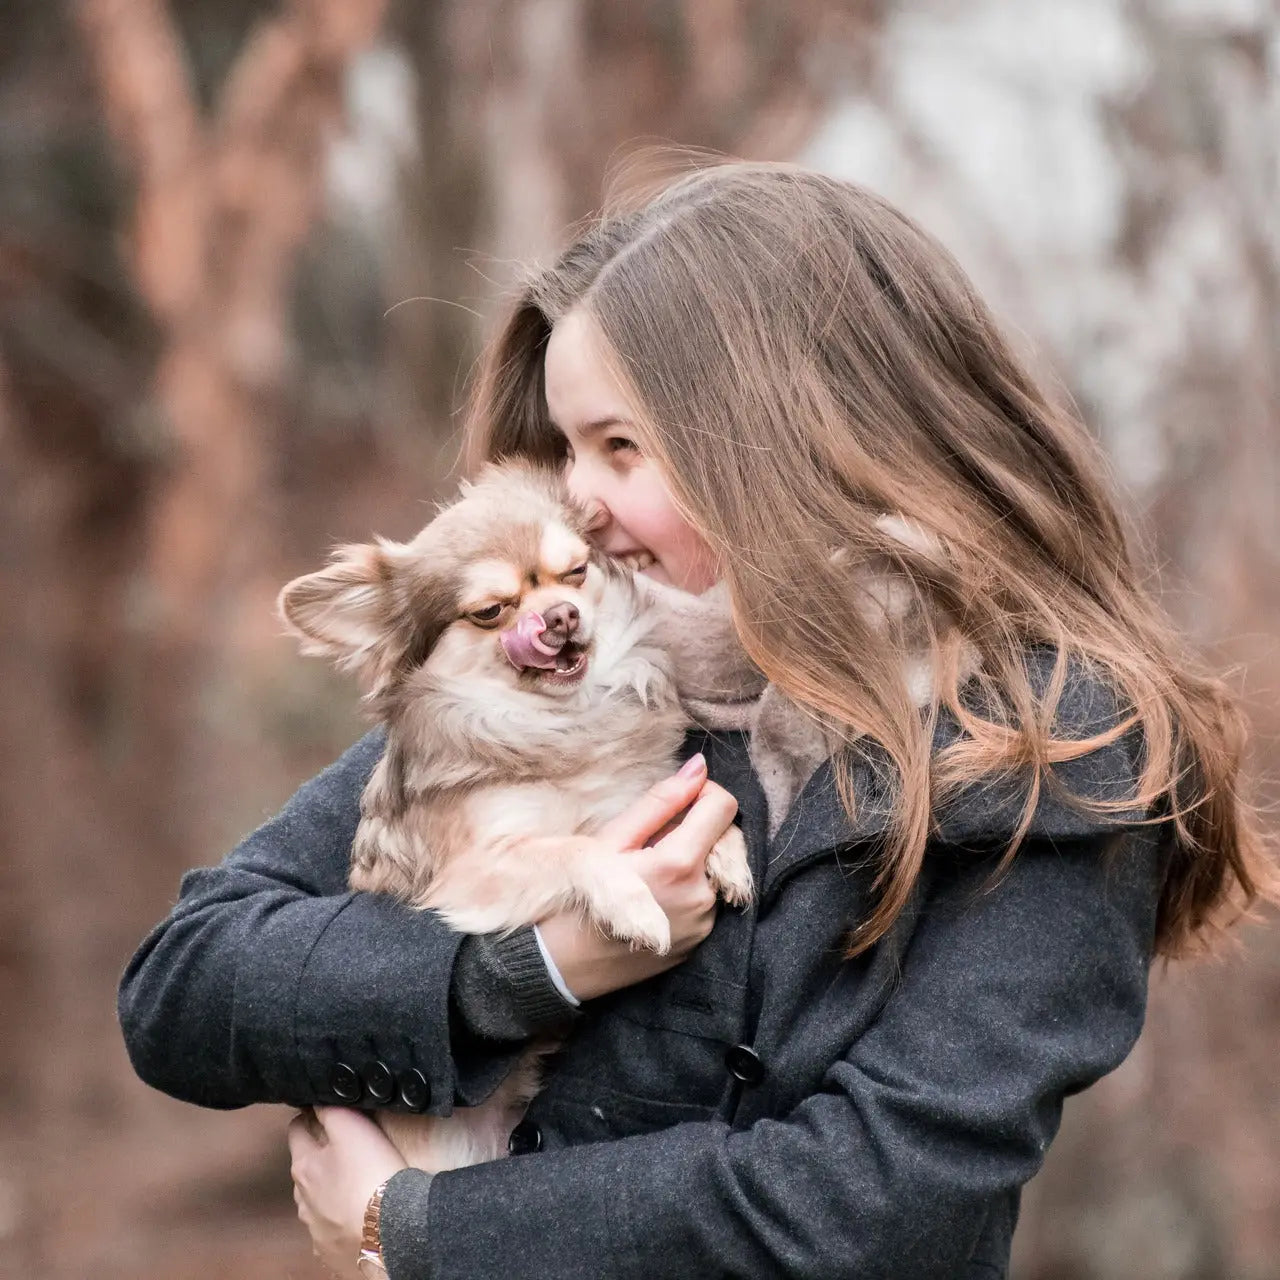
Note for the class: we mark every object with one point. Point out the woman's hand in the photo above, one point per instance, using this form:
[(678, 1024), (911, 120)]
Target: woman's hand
[(674, 867), (340, 1158)]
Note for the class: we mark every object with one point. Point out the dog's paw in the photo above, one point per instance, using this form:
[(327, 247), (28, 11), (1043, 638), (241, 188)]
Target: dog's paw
[(729, 869), (633, 915)]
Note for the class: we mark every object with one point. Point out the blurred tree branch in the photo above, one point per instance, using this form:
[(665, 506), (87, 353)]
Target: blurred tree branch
[(221, 208)]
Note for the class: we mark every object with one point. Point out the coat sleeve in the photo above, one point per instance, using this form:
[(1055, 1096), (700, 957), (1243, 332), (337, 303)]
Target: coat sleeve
[(269, 976), (1009, 999)]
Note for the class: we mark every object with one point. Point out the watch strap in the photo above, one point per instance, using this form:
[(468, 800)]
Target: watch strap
[(370, 1262)]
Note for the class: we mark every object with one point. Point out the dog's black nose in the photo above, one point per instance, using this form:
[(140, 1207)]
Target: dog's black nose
[(561, 619)]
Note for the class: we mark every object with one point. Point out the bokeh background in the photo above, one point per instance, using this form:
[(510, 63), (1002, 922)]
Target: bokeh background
[(247, 253)]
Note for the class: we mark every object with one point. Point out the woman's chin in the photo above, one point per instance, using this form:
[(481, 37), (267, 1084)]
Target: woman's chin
[(700, 584)]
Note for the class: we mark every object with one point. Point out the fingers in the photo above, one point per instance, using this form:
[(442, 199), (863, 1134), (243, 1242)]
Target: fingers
[(339, 1124), (305, 1133), (311, 1122), (305, 1138), (338, 1119), (356, 1132), (659, 805), (315, 1127), (710, 817)]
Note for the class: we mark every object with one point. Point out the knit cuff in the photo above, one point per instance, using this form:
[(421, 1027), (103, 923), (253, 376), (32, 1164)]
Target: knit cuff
[(537, 1001), (553, 969), (501, 988), (402, 1229)]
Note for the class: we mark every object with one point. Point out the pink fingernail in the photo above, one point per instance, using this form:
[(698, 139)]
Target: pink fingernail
[(693, 765)]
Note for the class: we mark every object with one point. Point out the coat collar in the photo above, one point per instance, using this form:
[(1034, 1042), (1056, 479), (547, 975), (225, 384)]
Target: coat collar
[(980, 817)]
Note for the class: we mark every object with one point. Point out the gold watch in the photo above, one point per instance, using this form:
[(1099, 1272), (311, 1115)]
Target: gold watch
[(370, 1264)]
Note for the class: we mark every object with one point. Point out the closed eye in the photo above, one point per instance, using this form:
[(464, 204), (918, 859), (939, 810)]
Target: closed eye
[(575, 575), (621, 444)]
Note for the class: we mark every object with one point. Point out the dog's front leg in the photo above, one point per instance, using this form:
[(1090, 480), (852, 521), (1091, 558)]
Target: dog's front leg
[(519, 881)]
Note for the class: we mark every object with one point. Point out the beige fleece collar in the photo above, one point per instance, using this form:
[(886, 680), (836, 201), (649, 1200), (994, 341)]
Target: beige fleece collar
[(721, 689)]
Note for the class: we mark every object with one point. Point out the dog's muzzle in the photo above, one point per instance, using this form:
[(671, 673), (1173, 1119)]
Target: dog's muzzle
[(527, 644)]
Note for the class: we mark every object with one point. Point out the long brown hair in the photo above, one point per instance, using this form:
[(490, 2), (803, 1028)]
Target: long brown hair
[(807, 359)]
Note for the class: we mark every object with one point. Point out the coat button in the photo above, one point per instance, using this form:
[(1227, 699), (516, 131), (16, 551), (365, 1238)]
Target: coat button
[(345, 1083), (744, 1064), (415, 1092), (525, 1138), (379, 1083)]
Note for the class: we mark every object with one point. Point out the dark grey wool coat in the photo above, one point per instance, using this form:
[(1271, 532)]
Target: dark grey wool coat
[(763, 1109)]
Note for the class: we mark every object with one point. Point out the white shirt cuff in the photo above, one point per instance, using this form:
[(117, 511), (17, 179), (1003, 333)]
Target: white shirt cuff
[(556, 979)]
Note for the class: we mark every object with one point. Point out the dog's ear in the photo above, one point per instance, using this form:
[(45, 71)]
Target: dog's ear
[(354, 609)]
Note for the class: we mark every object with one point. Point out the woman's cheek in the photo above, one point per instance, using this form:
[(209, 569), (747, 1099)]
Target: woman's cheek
[(690, 566)]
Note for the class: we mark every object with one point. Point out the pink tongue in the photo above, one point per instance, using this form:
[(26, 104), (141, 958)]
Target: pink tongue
[(524, 645)]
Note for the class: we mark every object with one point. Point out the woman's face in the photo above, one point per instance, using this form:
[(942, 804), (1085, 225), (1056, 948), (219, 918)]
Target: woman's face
[(633, 515)]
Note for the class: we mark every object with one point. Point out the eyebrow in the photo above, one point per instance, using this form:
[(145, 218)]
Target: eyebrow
[(594, 427)]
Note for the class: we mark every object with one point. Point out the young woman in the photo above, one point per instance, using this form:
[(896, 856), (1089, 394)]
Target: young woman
[(770, 379)]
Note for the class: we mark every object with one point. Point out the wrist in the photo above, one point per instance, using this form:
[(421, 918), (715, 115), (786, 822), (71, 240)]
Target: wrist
[(575, 947), (553, 969), (590, 962)]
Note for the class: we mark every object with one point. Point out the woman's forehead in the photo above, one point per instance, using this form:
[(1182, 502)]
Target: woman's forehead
[(582, 391)]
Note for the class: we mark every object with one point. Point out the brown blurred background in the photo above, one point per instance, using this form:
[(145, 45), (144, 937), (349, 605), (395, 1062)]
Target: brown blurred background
[(246, 253)]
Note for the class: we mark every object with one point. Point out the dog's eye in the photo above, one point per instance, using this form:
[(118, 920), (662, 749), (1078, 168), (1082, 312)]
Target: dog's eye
[(575, 575), (486, 617)]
